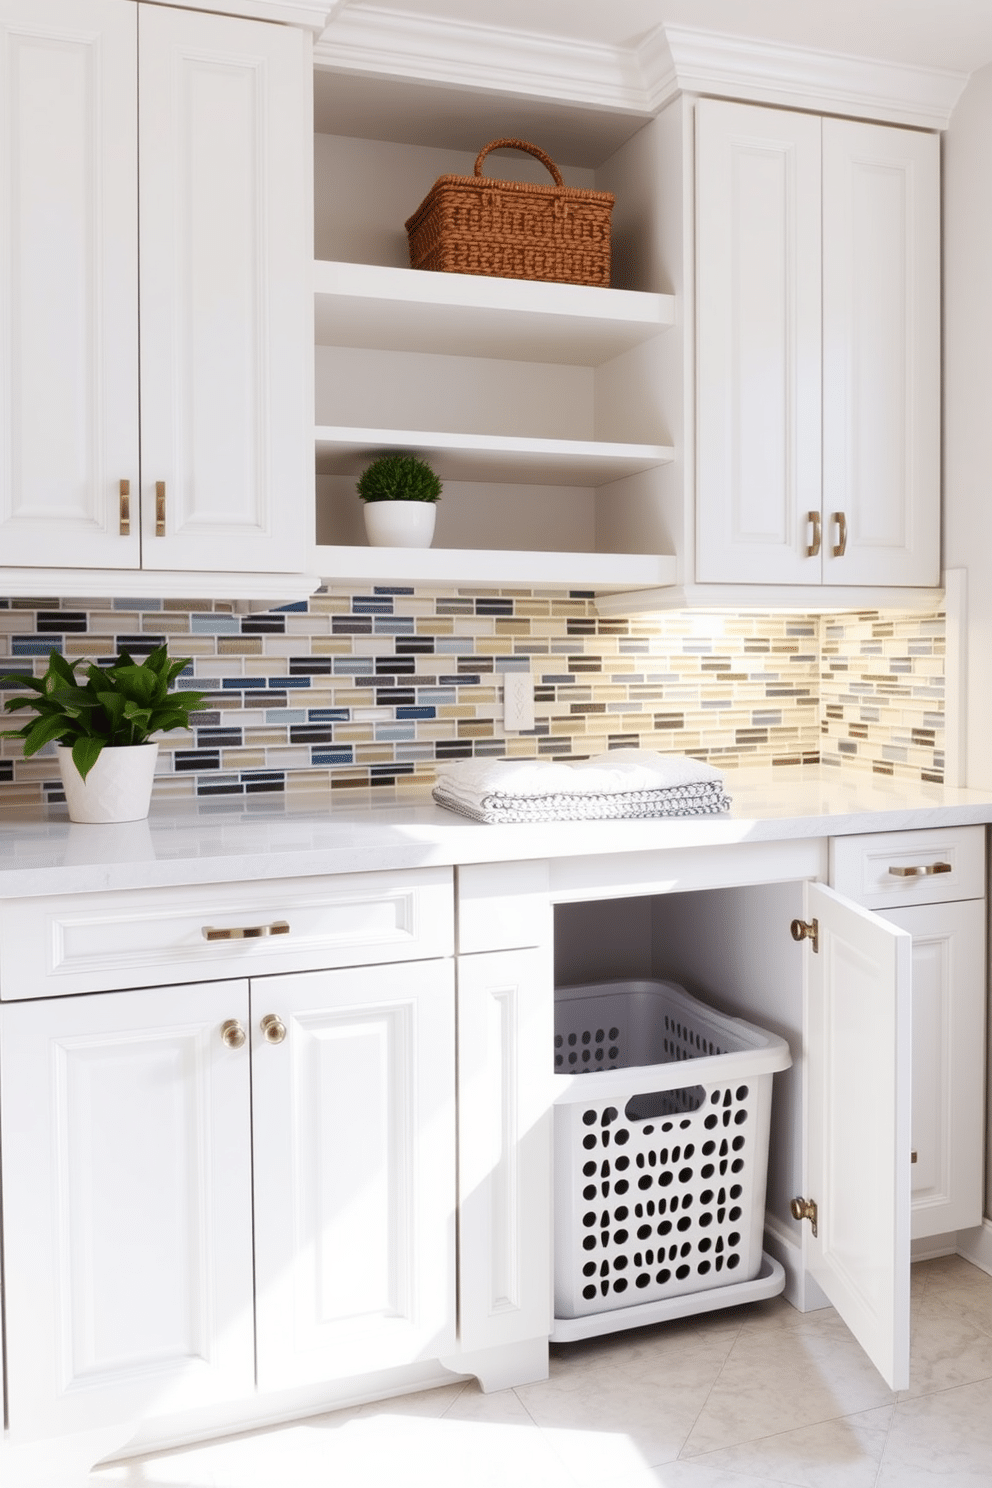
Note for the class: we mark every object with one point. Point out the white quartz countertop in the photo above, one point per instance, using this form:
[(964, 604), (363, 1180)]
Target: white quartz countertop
[(223, 841)]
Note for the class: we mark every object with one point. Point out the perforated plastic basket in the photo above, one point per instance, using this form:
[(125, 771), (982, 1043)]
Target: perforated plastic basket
[(661, 1144)]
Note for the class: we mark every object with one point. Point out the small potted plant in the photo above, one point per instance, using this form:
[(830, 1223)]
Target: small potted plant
[(399, 492), (103, 727)]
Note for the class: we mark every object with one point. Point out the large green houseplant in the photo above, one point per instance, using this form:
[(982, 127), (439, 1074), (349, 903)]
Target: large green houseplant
[(102, 726)]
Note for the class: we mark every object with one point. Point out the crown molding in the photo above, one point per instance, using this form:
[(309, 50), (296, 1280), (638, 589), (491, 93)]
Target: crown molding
[(678, 59), (374, 39), (312, 15), (365, 38)]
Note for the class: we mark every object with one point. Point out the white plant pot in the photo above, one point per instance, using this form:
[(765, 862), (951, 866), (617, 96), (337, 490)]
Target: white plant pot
[(400, 524), (117, 789)]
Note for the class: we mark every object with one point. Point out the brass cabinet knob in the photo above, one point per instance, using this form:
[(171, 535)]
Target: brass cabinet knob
[(233, 1034), (273, 1028), (801, 1208)]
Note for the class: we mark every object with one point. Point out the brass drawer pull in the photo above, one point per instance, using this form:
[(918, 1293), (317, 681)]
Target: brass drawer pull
[(924, 870), (246, 932), (125, 508), (813, 551), (160, 508), (840, 547)]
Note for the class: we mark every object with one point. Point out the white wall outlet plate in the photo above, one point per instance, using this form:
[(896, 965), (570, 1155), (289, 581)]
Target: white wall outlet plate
[(518, 702)]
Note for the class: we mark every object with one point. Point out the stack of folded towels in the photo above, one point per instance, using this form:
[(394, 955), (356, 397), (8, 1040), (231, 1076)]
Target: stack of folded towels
[(626, 784)]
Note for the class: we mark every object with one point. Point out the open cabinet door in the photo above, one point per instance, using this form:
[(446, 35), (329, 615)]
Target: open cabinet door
[(858, 1074)]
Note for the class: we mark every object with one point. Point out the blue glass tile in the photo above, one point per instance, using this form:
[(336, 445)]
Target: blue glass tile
[(298, 607), (214, 625), (394, 626), (437, 695), (391, 589), (31, 646), (332, 757), (286, 715), (387, 731), (416, 712), (327, 715)]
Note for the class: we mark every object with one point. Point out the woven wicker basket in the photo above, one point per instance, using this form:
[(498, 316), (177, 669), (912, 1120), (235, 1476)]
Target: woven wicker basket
[(512, 229)]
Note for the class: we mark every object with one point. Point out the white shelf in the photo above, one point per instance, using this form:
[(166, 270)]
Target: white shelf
[(490, 457), (606, 572), (390, 309)]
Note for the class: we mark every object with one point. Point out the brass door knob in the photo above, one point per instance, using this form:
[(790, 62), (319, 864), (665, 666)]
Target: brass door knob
[(233, 1034), (273, 1028)]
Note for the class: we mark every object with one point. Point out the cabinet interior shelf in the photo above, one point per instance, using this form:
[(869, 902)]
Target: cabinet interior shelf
[(607, 572), (390, 309), (490, 457)]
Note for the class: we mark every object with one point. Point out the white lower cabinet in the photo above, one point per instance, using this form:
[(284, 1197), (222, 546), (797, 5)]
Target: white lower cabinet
[(224, 1192), (354, 1157), (141, 1132), (948, 1064), (505, 1040), (127, 1205), (932, 885), (841, 995)]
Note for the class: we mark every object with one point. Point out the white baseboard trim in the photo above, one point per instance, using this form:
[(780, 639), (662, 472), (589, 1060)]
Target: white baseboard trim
[(976, 1245), (800, 1289)]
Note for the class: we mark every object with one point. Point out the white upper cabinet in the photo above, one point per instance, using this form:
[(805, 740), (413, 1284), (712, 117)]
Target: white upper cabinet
[(69, 291), (225, 320), (144, 145), (881, 355), (758, 342), (818, 350)]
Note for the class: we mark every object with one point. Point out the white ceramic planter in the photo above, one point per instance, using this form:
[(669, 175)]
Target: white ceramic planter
[(400, 524), (117, 789)]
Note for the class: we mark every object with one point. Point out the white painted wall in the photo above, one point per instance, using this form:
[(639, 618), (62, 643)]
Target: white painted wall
[(967, 254)]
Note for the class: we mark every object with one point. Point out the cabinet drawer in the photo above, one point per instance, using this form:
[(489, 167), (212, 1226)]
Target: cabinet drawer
[(148, 937), (886, 869)]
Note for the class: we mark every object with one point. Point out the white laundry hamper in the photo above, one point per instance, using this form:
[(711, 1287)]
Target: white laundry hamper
[(661, 1152)]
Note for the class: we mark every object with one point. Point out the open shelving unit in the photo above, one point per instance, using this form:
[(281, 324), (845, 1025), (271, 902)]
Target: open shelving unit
[(385, 309), (513, 390)]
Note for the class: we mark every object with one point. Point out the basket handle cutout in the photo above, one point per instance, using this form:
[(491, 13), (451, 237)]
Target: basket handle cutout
[(655, 1103), (515, 144)]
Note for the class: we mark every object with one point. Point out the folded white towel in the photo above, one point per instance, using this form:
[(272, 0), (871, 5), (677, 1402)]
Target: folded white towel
[(625, 783), (604, 774)]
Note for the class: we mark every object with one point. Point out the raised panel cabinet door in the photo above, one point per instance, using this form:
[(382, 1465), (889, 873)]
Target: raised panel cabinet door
[(354, 1157), (948, 1063), (505, 1111), (757, 344), (881, 354), (226, 133), (68, 282), (858, 1077), (127, 1206)]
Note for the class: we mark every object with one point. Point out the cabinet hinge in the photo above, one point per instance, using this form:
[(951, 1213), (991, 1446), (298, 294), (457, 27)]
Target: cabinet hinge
[(806, 930), (804, 1209)]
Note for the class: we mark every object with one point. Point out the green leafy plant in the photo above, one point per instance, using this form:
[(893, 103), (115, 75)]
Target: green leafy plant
[(399, 478), (119, 705)]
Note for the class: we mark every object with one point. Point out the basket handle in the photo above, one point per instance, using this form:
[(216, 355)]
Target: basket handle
[(515, 144)]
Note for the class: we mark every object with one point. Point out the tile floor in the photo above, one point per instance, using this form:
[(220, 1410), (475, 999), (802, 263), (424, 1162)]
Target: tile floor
[(756, 1396)]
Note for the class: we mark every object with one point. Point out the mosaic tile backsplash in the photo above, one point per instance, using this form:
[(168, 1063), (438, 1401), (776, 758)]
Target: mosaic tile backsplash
[(374, 687)]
